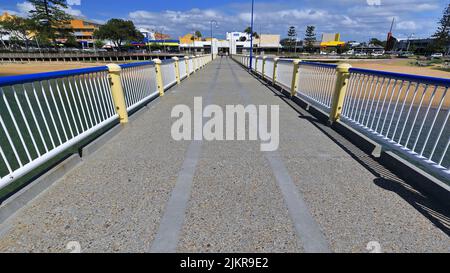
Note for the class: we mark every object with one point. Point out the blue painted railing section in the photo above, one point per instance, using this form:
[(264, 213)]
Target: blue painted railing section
[(43, 115), (407, 113), (22, 79)]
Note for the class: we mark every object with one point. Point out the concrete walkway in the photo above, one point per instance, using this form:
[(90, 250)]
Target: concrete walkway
[(145, 192)]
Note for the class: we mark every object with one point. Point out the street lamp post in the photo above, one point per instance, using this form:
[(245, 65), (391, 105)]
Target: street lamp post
[(212, 53), (409, 42), (251, 38)]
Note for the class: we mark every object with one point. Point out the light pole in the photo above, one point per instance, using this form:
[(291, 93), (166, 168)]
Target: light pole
[(212, 53), (409, 41), (251, 38)]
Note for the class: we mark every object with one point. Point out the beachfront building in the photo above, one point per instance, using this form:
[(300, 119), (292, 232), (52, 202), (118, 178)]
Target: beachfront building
[(240, 42), (83, 30), (331, 42), (235, 43), (157, 41), (4, 35), (416, 45)]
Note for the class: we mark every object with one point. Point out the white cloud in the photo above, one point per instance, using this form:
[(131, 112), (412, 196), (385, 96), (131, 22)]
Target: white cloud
[(74, 2), (406, 25), (74, 12), (354, 19), (24, 7)]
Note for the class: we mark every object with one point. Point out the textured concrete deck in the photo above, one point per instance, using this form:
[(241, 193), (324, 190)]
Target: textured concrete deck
[(144, 192)]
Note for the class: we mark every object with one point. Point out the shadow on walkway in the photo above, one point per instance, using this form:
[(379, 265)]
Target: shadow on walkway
[(436, 212)]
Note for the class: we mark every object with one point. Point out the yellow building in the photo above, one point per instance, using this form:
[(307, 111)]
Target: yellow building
[(5, 16), (331, 40), (188, 39), (83, 30)]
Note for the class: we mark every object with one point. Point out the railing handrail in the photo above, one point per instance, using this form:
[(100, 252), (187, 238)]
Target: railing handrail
[(168, 61), (21, 79), (318, 64), (402, 76), (403, 110), (55, 115), (137, 64)]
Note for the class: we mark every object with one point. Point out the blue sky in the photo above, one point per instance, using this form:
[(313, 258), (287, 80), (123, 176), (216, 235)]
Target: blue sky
[(354, 19)]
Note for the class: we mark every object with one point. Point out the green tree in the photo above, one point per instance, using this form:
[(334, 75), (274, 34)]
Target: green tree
[(20, 28), (310, 38), (99, 44), (72, 41), (51, 18), (442, 35), (248, 30), (43, 40), (377, 42), (118, 31), (344, 48), (2, 34), (292, 34), (197, 34)]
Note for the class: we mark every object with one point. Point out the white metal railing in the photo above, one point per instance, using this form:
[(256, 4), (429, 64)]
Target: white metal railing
[(191, 65), (411, 112), (139, 83), (183, 71), (407, 113), (284, 72), (168, 73), (268, 69), (259, 65), (43, 115), (317, 82)]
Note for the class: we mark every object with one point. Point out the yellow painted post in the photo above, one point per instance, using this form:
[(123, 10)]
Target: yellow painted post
[(159, 78), (117, 92), (275, 66), (177, 69), (186, 61), (343, 75), (295, 77), (263, 66)]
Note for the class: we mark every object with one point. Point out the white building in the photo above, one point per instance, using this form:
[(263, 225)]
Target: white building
[(240, 42), (236, 42)]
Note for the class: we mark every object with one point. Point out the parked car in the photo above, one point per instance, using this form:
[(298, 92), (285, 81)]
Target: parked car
[(406, 54), (377, 54), (437, 55)]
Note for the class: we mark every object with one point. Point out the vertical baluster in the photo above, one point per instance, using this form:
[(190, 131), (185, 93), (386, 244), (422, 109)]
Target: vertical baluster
[(425, 118), (401, 111), (26, 121), (409, 113), (416, 116), (43, 115), (35, 121)]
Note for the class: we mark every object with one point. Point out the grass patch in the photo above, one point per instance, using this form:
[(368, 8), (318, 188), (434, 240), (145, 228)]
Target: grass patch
[(442, 69)]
